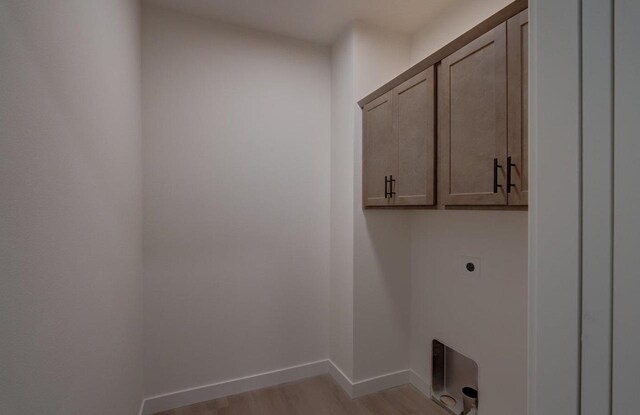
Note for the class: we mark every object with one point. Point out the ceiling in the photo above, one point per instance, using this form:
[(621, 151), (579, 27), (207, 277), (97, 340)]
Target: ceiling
[(318, 21)]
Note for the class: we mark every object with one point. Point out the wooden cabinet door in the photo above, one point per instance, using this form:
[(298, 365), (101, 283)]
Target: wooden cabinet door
[(414, 102), (518, 75), (380, 150), (472, 121)]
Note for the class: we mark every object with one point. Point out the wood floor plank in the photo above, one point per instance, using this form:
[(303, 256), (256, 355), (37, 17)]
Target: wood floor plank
[(319, 395)]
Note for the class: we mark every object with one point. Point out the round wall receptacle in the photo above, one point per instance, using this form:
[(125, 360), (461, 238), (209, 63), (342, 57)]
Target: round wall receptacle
[(469, 266)]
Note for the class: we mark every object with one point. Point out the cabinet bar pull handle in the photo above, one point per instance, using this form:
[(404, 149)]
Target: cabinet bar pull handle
[(509, 165), (392, 193), (495, 175), (386, 184)]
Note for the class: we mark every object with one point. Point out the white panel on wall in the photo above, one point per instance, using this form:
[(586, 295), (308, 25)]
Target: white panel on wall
[(554, 270), (626, 312), (597, 181)]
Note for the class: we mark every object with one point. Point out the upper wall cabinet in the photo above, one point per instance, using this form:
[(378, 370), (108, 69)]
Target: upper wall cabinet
[(518, 116), (472, 122), (482, 141), (380, 150), (483, 119), (399, 145)]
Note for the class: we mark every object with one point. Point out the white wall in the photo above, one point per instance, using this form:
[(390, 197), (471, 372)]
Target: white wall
[(381, 238), (455, 19), (597, 202), (406, 263), (70, 234), (483, 318), (236, 201), (369, 250), (371, 294), (554, 244), (626, 311), (342, 201)]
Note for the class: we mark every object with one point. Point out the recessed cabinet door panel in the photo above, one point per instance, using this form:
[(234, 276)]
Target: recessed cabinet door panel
[(518, 73), (380, 149), (472, 108), (415, 112)]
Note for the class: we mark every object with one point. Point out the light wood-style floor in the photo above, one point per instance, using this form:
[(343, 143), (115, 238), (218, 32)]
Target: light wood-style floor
[(319, 395)]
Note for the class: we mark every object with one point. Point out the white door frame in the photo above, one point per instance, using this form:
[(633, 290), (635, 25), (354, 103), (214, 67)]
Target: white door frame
[(584, 226), (554, 207), (626, 229), (597, 206)]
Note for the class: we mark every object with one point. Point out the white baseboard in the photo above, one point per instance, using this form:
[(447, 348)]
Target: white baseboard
[(218, 390), (367, 386), (191, 396), (380, 383), (419, 383), (341, 379)]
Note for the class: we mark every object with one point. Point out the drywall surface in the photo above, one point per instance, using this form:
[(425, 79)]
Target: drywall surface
[(453, 20), (236, 127), (554, 244), (70, 223), (597, 206), (626, 312), (483, 317), (342, 170), (381, 238)]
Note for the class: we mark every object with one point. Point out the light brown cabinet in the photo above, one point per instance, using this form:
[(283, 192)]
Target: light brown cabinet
[(399, 145), (518, 106), (379, 149), (472, 122), (483, 109), (480, 104)]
